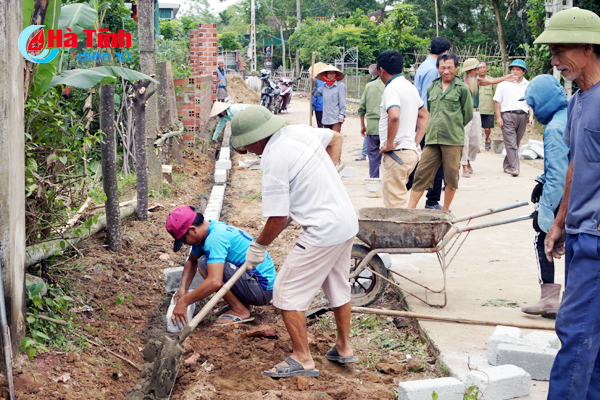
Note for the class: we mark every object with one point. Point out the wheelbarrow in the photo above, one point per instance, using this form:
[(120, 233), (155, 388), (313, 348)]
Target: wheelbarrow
[(404, 231)]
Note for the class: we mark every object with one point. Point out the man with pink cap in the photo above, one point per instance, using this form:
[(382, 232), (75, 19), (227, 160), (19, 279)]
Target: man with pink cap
[(218, 250)]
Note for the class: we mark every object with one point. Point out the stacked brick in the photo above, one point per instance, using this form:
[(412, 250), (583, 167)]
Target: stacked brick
[(203, 53)]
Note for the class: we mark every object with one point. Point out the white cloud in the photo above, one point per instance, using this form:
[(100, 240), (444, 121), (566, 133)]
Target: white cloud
[(216, 6)]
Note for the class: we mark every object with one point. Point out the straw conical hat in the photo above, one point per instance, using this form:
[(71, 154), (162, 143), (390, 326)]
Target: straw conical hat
[(217, 108), (318, 67), (330, 68)]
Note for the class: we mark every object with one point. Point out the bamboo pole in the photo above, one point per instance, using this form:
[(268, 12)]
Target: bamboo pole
[(407, 314), (312, 72)]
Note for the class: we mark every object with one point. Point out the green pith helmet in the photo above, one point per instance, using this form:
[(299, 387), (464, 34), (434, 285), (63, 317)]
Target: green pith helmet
[(518, 63), (252, 124), (573, 25)]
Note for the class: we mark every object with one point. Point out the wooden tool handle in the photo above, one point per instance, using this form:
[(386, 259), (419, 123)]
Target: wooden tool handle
[(191, 326)]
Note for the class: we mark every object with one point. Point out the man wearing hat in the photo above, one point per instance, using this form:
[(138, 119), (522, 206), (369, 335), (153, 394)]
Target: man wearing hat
[(573, 36), (334, 97), (218, 250), (225, 111), (511, 114), (369, 111), (299, 180)]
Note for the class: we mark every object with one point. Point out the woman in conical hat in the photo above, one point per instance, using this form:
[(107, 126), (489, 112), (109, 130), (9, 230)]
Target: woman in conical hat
[(334, 97), (225, 112)]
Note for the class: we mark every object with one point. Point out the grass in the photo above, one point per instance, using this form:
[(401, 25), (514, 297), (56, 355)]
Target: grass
[(500, 303)]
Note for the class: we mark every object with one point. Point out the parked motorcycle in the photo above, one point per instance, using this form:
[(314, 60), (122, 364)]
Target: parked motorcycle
[(285, 97), (270, 91)]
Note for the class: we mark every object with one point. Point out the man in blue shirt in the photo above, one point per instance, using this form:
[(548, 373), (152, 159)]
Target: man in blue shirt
[(218, 251), (427, 73), (573, 37)]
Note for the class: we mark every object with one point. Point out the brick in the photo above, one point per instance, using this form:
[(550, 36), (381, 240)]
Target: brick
[(220, 175), (508, 330), (542, 339), (535, 360), (500, 383), (347, 172), (218, 189), (496, 340), (225, 153), (172, 278), (223, 164), (446, 388)]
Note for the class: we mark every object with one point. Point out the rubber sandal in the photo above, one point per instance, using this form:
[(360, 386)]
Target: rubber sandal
[(488, 146), (514, 173), (234, 319), (333, 355), (466, 174), (221, 310), (292, 369)]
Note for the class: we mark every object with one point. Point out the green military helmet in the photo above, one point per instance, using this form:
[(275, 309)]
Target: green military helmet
[(252, 124), (573, 25), (518, 63)]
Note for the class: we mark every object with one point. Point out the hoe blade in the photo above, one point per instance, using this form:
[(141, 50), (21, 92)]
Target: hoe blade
[(166, 367)]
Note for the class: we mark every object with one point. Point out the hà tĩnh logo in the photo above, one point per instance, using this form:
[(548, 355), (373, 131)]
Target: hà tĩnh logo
[(38, 51)]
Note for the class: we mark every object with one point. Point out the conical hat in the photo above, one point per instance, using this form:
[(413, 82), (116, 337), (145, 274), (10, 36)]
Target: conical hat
[(318, 67), (217, 108), (330, 68)]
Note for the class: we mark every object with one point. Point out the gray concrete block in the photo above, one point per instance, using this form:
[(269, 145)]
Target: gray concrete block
[(223, 164), (172, 328), (218, 189), (347, 172), (446, 388), (544, 339), (508, 331), (220, 175), (225, 153), (535, 360), (173, 276), (500, 383), (528, 154), (503, 334)]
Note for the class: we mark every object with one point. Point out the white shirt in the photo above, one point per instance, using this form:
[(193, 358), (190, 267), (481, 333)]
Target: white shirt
[(299, 179), (508, 95), (400, 93)]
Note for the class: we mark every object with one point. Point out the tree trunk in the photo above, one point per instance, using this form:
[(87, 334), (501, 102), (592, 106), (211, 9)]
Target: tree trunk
[(145, 12), (282, 46), (139, 112), (37, 18), (109, 167), (298, 21), (500, 34)]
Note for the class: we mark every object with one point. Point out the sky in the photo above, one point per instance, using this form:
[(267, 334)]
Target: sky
[(216, 5)]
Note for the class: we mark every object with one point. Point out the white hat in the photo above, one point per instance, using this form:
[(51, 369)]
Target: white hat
[(217, 108)]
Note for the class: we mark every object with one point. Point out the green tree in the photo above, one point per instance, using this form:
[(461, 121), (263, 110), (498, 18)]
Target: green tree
[(228, 41)]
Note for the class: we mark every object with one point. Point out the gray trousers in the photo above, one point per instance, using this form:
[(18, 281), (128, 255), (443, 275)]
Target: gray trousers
[(512, 133)]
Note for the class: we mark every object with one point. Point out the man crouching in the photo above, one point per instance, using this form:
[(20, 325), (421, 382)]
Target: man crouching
[(299, 180)]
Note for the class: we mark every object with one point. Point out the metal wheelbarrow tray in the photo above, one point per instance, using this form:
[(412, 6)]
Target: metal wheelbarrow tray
[(404, 231)]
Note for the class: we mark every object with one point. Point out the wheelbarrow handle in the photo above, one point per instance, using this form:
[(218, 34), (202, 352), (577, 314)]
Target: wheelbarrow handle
[(469, 228), (491, 211)]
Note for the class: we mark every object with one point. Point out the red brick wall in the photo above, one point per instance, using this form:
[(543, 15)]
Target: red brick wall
[(203, 53)]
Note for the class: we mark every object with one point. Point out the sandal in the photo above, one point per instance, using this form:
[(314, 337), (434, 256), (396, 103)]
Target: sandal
[(333, 355), (488, 146), (292, 369), (233, 319)]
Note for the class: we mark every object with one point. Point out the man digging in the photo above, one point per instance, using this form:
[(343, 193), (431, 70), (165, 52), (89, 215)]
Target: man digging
[(299, 180), (219, 249)]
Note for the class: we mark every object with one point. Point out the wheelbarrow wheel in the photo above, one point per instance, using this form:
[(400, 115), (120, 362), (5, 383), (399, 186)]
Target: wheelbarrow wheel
[(367, 287)]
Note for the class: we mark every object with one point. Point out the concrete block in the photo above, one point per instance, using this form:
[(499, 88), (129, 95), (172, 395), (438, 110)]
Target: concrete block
[(500, 383), (496, 340), (538, 148), (544, 339), (172, 328), (218, 189), (528, 154), (225, 153), (212, 216), (347, 172), (508, 331), (536, 361), (223, 164), (220, 175), (446, 388), (173, 276)]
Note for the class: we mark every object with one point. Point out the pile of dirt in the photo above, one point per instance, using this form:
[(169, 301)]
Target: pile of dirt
[(240, 92)]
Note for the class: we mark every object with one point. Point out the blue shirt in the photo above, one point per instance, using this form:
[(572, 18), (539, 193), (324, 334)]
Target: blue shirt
[(317, 101), (230, 112), (426, 74), (334, 102), (225, 243), (221, 78), (583, 137)]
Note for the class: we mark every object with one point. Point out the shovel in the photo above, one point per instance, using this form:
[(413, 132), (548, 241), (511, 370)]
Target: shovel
[(167, 362)]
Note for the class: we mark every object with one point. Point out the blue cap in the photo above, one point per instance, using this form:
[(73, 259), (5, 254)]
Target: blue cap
[(518, 63)]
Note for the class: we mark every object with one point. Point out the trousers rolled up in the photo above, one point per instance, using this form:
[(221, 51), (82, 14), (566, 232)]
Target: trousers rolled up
[(374, 155), (472, 139), (576, 370), (513, 130), (395, 176)]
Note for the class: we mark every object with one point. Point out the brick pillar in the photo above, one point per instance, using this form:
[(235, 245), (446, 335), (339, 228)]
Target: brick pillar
[(203, 53)]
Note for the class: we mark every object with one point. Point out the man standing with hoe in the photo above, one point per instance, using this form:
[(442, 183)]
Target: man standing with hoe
[(573, 36), (299, 180)]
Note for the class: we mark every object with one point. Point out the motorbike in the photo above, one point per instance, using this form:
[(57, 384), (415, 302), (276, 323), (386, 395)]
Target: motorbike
[(285, 97), (270, 90)]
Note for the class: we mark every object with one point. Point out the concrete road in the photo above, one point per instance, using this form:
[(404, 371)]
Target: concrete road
[(496, 263)]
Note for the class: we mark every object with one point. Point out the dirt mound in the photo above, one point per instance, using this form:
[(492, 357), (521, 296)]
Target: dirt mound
[(240, 92)]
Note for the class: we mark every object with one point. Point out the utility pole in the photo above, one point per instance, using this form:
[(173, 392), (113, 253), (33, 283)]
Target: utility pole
[(552, 7), (252, 36), (298, 20)]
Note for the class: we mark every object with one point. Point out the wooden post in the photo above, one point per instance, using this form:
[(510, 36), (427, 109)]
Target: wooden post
[(139, 111), (312, 71)]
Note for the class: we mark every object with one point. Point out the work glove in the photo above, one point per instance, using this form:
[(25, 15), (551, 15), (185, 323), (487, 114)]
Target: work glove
[(255, 254), (536, 226), (536, 194)]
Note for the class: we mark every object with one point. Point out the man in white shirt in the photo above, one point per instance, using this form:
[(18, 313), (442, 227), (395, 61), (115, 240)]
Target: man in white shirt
[(511, 114), (401, 111), (299, 180)]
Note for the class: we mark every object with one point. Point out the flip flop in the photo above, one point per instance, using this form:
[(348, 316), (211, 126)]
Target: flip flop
[(294, 368), (222, 310), (333, 355), (234, 320), (488, 146)]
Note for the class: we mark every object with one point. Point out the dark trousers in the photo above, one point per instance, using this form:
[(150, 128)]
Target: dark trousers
[(319, 117), (435, 193), (374, 155), (576, 370), (545, 267)]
